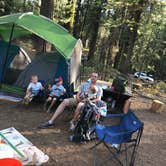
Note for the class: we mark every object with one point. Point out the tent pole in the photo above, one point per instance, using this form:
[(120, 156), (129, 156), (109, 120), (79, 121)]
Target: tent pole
[(7, 53)]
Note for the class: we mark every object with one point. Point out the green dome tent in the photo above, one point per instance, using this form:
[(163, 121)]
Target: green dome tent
[(69, 48)]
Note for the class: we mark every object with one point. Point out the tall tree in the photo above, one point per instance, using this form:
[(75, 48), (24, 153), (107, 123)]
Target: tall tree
[(95, 16), (77, 19), (47, 9), (129, 35)]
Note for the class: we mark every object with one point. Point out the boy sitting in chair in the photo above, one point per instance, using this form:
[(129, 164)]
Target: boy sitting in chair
[(57, 92), (34, 89)]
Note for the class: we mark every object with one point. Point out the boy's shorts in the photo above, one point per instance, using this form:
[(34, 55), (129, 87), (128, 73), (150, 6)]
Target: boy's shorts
[(35, 92)]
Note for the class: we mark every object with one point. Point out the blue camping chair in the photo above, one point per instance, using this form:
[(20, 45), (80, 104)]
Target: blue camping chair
[(121, 137)]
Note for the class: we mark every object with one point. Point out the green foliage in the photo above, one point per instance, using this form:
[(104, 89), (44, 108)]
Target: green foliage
[(128, 35), (64, 12), (149, 50), (16, 6), (161, 86)]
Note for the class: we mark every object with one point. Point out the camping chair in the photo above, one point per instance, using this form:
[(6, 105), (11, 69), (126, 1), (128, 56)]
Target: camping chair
[(122, 137), (37, 98), (40, 96)]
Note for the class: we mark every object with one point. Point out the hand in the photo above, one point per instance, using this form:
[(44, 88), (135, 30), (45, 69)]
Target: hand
[(84, 100)]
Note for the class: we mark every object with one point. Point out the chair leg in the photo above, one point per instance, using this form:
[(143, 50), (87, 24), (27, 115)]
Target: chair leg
[(133, 156), (126, 154), (113, 154), (96, 144), (94, 151), (94, 154)]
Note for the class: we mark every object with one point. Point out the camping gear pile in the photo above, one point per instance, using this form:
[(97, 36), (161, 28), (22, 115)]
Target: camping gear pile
[(90, 116)]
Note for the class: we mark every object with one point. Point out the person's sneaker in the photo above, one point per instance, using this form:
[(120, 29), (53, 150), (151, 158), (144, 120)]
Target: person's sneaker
[(115, 145), (25, 101), (72, 126), (48, 110), (46, 125)]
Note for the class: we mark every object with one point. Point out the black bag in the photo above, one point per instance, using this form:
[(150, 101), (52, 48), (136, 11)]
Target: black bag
[(85, 127)]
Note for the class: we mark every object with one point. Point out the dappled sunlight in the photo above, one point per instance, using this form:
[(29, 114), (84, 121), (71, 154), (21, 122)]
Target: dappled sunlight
[(55, 141)]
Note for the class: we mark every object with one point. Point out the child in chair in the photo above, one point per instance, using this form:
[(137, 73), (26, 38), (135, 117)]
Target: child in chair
[(57, 91), (33, 89)]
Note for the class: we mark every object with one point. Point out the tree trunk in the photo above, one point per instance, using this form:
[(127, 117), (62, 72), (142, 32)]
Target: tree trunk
[(125, 54), (24, 6), (47, 9), (94, 32), (77, 20)]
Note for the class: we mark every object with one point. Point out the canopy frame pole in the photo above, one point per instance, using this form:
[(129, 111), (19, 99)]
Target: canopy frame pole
[(7, 53)]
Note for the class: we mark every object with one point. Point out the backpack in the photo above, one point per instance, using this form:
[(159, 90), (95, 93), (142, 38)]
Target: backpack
[(85, 127)]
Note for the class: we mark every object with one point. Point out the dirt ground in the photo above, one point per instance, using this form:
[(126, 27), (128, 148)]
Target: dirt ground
[(55, 143)]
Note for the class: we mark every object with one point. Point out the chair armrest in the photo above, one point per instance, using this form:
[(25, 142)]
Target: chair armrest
[(114, 115)]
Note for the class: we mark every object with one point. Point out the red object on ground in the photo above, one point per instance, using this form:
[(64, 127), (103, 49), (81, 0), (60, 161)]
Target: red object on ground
[(10, 162)]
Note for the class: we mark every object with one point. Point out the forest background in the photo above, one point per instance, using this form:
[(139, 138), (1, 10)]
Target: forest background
[(117, 35)]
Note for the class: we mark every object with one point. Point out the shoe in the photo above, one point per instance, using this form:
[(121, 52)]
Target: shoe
[(48, 110), (25, 101), (115, 146), (46, 125), (72, 126)]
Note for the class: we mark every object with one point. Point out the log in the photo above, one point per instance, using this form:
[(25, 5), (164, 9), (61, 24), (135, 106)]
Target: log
[(156, 106)]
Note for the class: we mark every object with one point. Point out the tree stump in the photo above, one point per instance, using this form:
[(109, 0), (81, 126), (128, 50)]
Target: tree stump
[(156, 106)]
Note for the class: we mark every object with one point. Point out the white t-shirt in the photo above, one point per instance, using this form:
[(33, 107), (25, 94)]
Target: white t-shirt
[(57, 90), (84, 90), (35, 87)]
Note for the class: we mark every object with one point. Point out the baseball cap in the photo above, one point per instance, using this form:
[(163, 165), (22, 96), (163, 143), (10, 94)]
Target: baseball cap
[(58, 79)]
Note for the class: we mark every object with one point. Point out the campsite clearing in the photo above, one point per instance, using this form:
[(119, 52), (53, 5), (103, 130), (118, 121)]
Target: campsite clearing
[(54, 142)]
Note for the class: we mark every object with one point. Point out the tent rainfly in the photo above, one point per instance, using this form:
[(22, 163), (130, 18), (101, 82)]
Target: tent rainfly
[(21, 24)]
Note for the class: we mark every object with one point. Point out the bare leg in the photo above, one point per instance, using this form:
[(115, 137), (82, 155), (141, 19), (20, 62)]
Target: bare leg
[(46, 102), (126, 106), (51, 105), (77, 111), (59, 110), (28, 94), (76, 116)]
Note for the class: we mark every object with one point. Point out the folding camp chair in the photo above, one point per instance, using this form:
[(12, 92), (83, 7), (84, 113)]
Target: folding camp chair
[(122, 137)]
